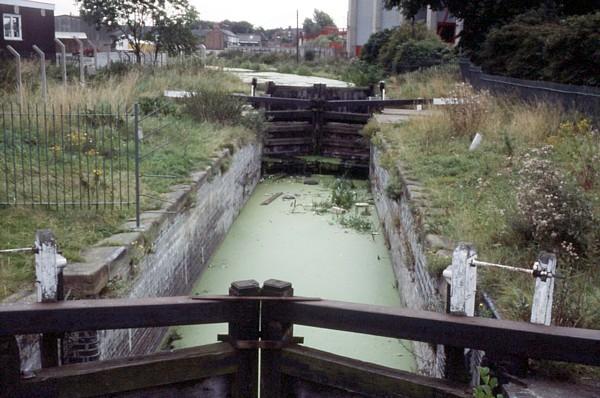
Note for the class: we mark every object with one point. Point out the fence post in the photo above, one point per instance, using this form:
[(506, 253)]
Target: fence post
[(42, 71), (49, 266), (63, 56), (17, 56), (272, 330), (245, 327), (544, 271), (81, 66), (95, 52), (462, 303), (136, 110)]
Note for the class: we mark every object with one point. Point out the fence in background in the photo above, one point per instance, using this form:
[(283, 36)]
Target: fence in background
[(63, 158), (585, 99), (319, 52)]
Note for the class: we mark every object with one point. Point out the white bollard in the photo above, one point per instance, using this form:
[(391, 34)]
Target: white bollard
[(476, 142)]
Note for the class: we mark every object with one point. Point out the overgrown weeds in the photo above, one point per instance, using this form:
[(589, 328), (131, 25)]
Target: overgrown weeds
[(509, 205)]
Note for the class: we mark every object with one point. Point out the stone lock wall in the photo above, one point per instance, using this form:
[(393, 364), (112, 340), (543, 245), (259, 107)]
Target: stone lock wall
[(168, 253), (402, 223)]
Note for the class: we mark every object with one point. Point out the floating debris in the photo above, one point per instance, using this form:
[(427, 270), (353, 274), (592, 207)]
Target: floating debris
[(271, 199), (337, 210)]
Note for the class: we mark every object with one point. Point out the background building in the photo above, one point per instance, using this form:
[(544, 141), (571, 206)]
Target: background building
[(220, 39), (24, 24), (102, 38), (366, 17)]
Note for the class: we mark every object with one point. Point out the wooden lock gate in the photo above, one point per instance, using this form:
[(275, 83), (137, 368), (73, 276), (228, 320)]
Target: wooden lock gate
[(306, 123)]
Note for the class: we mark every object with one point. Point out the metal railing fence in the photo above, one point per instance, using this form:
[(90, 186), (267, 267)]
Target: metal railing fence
[(62, 158)]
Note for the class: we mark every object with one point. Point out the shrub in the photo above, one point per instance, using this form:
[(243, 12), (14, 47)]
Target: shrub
[(537, 48), (363, 74), (413, 55), (157, 106), (309, 55), (370, 51), (517, 49), (214, 106), (551, 212), (400, 36)]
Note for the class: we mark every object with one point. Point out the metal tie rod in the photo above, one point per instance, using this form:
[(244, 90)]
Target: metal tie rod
[(507, 267), (19, 250), (536, 270)]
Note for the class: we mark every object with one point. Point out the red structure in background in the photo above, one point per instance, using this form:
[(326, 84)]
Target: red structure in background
[(341, 34)]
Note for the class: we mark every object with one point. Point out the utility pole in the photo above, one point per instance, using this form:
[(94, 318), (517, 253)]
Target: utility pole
[(297, 36)]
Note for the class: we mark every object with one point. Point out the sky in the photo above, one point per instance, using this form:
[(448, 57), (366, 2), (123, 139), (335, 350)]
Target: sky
[(265, 13)]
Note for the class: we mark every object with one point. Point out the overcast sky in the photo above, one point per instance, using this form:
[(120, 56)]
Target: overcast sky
[(265, 13)]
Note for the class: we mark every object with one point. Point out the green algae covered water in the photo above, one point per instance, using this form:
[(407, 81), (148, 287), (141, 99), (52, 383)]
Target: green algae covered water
[(289, 240)]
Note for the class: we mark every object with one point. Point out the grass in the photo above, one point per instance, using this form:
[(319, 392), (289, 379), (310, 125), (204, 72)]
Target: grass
[(474, 192), (174, 144), (73, 231), (433, 82), (119, 89)]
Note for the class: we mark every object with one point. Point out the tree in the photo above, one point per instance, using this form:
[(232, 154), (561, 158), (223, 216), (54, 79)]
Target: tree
[(320, 20), (310, 27), (174, 35), (135, 19), (480, 16), (323, 19), (239, 26)]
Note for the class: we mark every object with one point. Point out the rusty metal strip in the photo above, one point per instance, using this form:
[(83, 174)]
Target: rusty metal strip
[(255, 298)]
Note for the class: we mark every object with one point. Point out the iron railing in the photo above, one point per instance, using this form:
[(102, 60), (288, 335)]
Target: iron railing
[(61, 158)]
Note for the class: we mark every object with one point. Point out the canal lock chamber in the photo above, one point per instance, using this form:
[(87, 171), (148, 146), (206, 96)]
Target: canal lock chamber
[(321, 232)]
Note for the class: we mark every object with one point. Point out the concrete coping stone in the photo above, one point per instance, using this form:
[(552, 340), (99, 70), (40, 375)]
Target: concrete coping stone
[(89, 277)]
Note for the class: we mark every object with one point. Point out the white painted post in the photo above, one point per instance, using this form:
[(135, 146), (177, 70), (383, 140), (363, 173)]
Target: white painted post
[(48, 267), (544, 271), (203, 53), (81, 66), (464, 281), (48, 271), (42, 71), (462, 275), (17, 56), (63, 56)]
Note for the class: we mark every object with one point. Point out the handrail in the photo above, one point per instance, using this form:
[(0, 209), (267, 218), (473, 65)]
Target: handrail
[(506, 338), (71, 316)]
